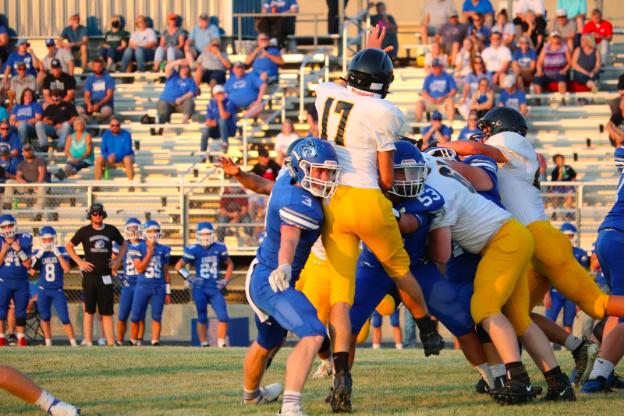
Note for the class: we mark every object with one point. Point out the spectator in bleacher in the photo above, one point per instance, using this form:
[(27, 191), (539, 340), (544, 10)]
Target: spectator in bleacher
[(553, 65), (115, 43), (19, 83), (141, 46), (60, 81), (587, 62), (79, 151), (200, 38), (8, 164), (511, 96), (179, 92), (266, 165), (99, 89), (576, 10), (76, 36), (615, 102), (313, 120), (479, 32), (283, 139), (524, 62), (24, 54), (452, 34), (4, 44), (232, 210), (32, 170), (61, 54), (471, 84), (497, 59), (212, 65), (265, 60), (384, 20), (245, 89), (57, 121), (437, 13), (11, 139), (563, 173), (116, 150), (435, 52), (171, 44), (437, 132), (471, 128), (4, 114), (220, 119), (602, 32), (472, 7), (463, 63), (506, 29), (543, 167), (276, 26), (538, 10), (482, 99), (25, 115), (535, 30), (564, 27), (438, 93), (615, 126)]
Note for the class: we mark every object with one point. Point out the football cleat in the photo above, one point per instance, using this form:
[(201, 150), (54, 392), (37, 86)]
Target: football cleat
[(294, 410), (60, 408), (615, 381), (11, 339), (564, 391), (156, 344), (482, 387), (324, 370), (270, 393), (22, 342), (584, 361), (341, 401), (515, 390), (596, 386), (102, 342), (3, 342)]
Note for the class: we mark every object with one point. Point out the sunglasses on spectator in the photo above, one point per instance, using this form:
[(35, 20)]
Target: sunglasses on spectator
[(114, 125), (524, 43), (263, 39), (4, 128), (21, 68), (56, 98), (30, 149), (472, 119), (97, 214)]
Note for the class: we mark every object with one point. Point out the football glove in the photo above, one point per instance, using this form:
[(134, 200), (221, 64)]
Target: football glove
[(56, 252), (122, 279), (396, 214), (432, 342), (40, 253), (280, 278), (221, 284), (195, 281)]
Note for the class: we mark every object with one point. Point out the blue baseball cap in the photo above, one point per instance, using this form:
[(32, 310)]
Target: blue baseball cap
[(50, 42), (436, 115), (22, 41), (437, 62)]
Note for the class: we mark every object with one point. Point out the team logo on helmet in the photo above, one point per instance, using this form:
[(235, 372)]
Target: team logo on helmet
[(308, 149)]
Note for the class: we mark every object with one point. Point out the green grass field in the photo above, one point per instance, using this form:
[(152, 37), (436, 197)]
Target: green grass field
[(193, 381)]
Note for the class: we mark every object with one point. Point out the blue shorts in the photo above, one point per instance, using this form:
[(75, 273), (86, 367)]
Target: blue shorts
[(126, 302), (546, 80), (18, 290), (48, 297), (203, 296), (394, 318), (290, 310), (610, 252), (143, 296), (560, 302)]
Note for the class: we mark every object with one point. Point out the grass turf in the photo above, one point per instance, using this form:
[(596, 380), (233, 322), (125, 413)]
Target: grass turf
[(193, 381)]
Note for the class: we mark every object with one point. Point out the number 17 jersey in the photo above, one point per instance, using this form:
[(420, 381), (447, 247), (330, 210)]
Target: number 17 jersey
[(358, 124)]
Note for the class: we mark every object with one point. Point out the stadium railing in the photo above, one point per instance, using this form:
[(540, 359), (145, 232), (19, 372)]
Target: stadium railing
[(315, 20), (359, 38), (279, 94), (313, 75)]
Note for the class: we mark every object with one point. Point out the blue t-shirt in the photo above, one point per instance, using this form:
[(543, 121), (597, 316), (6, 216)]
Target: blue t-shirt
[(74, 35), (262, 64), (129, 265), (439, 86), (23, 112), (213, 111), (294, 206), (177, 86), (202, 38), (98, 87), (50, 270), (466, 133), (120, 145), (243, 91), (4, 115), (13, 141), (152, 277), (10, 165), (483, 6), (206, 261), (12, 267), (473, 80), (524, 59), (483, 32), (445, 131), (514, 100), (27, 58)]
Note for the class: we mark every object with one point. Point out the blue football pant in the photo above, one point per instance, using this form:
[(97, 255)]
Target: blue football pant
[(202, 297), (48, 297), (143, 296), (126, 302), (18, 290)]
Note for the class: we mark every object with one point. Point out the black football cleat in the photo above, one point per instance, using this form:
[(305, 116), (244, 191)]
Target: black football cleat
[(482, 387), (341, 401), (584, 359), (564, 391), (516, 390)]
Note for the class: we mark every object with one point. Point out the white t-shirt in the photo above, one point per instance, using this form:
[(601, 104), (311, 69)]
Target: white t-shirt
[(463, 58), (536, 6), (358, 125), (507, 30), (142, 38), (495, 58), (428, 60), (439, 12), (518, 178), (282, 142)]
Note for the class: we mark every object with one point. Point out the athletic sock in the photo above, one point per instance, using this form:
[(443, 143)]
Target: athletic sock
[(2, 336), (290, 399), (398, 346), (498, 370), (48, 342), (154, 341), (549, 376), (485, 373), (133, 341), (251, 396), (601, 368), (21, 335), (221, 343), (516, 371), (376, 346), (340, 359), (45, 401), (573, 344), (73, 343)]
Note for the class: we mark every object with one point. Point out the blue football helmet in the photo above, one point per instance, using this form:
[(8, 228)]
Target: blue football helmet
[(47, 233), (619, 158), (133, 229), (570, 231), (205, 234), (8, 226), (443, 153), (149, 229), (309, 155), (409, 171)]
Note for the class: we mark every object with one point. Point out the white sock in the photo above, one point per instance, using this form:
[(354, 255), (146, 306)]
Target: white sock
[(89, 344), (573, 342), (290, 399), (205, 344), (485, 373), (21, 335), (48, 343), (251, 396), (73, 342), (221, 343), (2, 336), (601, 368), (398, 346), (155, 341), (133, 341), (45, 401), (376, 346), (498, 370)]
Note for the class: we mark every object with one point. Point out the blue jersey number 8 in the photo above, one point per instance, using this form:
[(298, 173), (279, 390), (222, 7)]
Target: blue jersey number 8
[(50, 272)]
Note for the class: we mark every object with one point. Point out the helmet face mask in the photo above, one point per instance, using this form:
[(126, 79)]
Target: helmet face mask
[(8, 226), (409, 179), (133, 231), (152, 231), (205, 234), (313, 164), (314, 181), (571, 232), (48, 238), (443, 153)]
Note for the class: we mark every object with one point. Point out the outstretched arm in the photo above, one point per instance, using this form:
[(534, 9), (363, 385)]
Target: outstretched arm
[(375, 39), (480, 180), (251, 181), (470, 147)]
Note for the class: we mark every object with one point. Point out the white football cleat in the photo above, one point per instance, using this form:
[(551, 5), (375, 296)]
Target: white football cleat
[(294, 410), (60, 408), (102, 342), (270, 393), (324, 370)]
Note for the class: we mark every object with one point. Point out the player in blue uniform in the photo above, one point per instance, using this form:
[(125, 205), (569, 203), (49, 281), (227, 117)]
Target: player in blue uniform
[(377, 323), (553, 300), (610, 252), (151, 261), (206, 257), (128, 279), (52, 262), (14, 264), (293, 223)]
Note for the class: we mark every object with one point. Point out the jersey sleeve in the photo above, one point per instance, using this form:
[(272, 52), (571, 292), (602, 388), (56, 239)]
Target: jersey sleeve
[(386, 128), (446, 217), (77, 238), (189, 254), (485, 163), (167, 254), (301, 216), (26, 243), (135, 252), (223, 253)]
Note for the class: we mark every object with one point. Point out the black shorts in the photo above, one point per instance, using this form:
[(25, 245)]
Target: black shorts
[(95, 292), (209, 75)]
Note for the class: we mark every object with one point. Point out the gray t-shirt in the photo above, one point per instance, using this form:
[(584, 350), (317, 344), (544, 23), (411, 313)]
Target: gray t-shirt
[(30, 170), (171, 40), (74, 35), (63, 55), (18, 85), (439, 11), (211, 61), (566, 31)]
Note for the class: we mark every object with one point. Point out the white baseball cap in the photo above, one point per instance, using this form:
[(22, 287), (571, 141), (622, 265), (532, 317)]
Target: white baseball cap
[(508, 81), (217, 89)]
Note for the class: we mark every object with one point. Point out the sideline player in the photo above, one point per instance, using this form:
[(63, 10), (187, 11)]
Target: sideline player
[(377, 332), (52, 262), (206, 257), (151, 261), (14, 264)]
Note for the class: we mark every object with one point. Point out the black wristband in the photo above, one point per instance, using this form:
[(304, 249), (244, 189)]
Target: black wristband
[(425, 324)]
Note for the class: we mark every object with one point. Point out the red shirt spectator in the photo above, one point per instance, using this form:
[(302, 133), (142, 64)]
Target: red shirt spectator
[(604, 29), (234, 204)]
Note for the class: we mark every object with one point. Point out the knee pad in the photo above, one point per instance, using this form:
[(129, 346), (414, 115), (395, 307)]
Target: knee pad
[(377, 320), (203, 319), (483, 336), (395, 319), (325, 345), (20, 321), (45, 316), (598, 330)]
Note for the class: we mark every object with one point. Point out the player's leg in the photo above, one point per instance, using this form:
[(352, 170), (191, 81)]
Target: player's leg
[(158, 303), (603, 368), (60, 305), (218, 303), (6, 294), (558, 301), (89, 308), (569, 314), (201, 300), (21, 298), (126, 303), (394, 318), (377, 323), (45, 305), (138, 311)]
